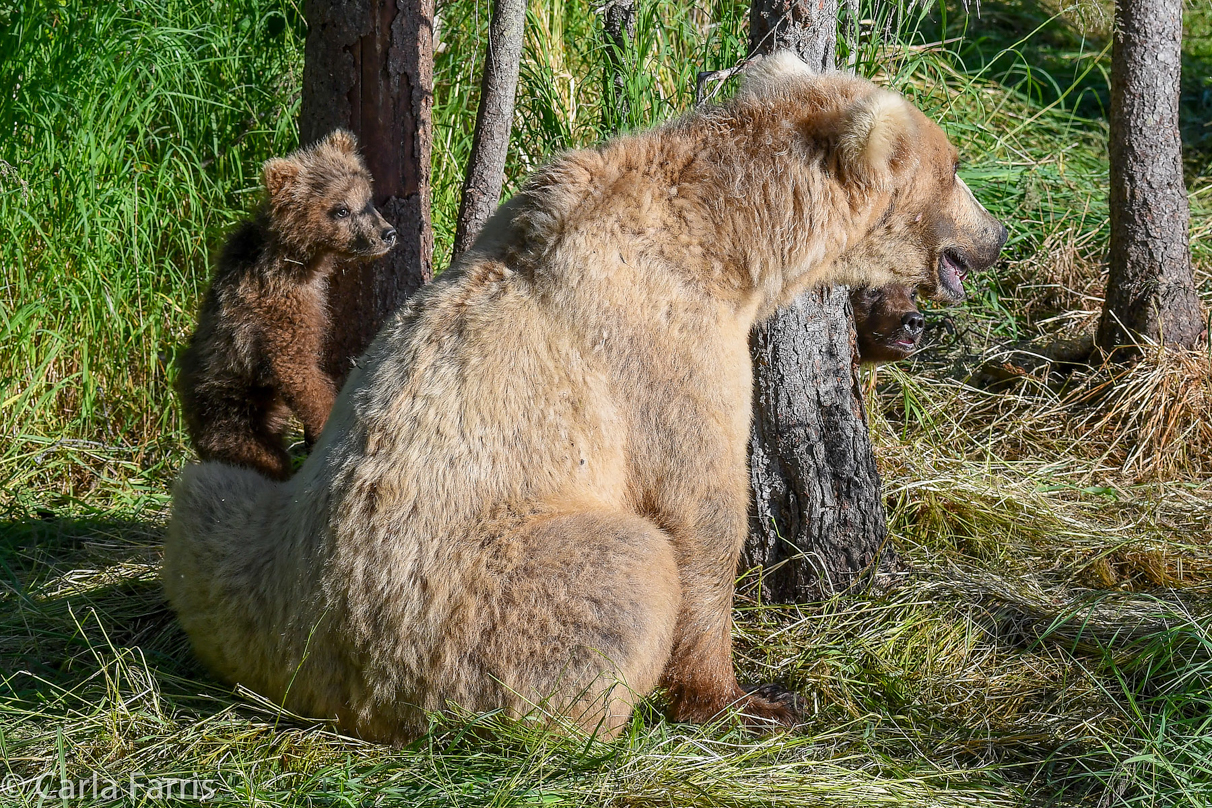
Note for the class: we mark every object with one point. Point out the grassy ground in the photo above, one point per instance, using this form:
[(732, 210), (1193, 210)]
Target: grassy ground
[(1053, 643)]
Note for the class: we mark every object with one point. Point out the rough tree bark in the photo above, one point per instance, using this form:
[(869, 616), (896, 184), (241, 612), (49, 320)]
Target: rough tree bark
[(1150, 287), (808, 28), (368, 67), (818, 519), (490, 146), (618, 30)]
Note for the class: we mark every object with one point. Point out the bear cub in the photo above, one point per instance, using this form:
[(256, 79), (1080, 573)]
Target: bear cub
[(887, 321), (256, 353)]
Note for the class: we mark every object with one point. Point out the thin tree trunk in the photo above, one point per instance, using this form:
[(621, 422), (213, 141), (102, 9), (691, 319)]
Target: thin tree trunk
[(618, 31), (490, 146), (1150, 287), (368, 67), (818, 519)]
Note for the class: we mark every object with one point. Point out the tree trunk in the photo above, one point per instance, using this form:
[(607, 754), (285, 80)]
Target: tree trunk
[(618, 30), (808, 27), (368, 67), (818, 514), (1150, 287), (490, 146), (818, 519)]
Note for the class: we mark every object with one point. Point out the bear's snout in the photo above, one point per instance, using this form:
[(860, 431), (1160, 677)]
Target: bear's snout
[(990, 247)]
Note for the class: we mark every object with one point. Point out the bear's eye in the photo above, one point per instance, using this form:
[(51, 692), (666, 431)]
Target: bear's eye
[(341, 213)]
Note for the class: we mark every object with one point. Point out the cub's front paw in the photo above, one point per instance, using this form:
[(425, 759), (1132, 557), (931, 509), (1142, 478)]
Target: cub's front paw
[(770, 707)]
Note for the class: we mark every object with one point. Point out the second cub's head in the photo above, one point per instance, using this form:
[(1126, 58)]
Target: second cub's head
[(914, 221), (320, 199), (887, 322)]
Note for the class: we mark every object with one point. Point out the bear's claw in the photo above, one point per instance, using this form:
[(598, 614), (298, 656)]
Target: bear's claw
[(771, 707)]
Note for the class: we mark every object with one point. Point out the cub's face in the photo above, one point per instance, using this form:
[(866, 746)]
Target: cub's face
[(887, 322), (320, 199), (350, 225)]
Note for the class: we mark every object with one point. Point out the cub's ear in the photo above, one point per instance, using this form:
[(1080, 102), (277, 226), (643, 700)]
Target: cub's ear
[(280, 176), (876, 136), (342, 140)]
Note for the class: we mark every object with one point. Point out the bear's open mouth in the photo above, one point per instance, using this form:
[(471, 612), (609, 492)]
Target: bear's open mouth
[(905, 344), (952, 270)]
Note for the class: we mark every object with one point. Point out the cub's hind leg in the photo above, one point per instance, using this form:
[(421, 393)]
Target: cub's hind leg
[(246, 429)]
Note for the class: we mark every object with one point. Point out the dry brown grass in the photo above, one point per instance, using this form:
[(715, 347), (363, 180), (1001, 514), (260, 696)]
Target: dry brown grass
[(1151, 416), (1060, 283)]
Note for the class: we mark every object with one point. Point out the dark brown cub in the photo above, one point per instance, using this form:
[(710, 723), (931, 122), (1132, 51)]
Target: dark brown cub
[(887, 321), (255, 355)]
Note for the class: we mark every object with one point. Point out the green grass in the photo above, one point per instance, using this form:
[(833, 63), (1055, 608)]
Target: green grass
[(132, 134), (1052, 645)]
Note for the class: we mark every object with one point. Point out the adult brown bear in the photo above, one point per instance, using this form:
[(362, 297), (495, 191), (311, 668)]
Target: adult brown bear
[(531, 494)]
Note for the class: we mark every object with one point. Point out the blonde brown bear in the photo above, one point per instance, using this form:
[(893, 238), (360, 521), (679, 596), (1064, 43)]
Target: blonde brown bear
[(531, 494)]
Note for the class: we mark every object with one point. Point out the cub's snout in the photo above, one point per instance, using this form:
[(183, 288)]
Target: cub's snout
[(887, 322)]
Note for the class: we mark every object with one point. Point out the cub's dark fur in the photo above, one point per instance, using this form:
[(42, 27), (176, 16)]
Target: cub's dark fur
[(255, 356), (887, 321)]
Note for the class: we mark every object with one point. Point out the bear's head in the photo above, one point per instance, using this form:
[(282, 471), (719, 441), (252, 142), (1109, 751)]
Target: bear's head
[(895, 175), (887, 322), (320, 200)]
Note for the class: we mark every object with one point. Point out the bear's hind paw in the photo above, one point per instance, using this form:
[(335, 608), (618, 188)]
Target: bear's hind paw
[(770, 708)]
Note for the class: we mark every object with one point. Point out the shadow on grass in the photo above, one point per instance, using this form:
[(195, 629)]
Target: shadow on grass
[(81, 606)]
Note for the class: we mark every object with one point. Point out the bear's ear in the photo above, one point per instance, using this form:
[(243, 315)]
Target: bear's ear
[(280, 176), (875, 136), (343, 141), (770, 72)]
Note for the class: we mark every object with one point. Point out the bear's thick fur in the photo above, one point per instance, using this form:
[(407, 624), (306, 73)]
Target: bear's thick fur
[(532, 492), (255, 355), (887, 323)]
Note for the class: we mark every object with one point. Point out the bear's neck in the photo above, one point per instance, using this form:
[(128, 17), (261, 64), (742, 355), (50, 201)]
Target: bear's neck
[(301, 264), (826, 221), (299, 260), (770, 241), (747, 220)]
